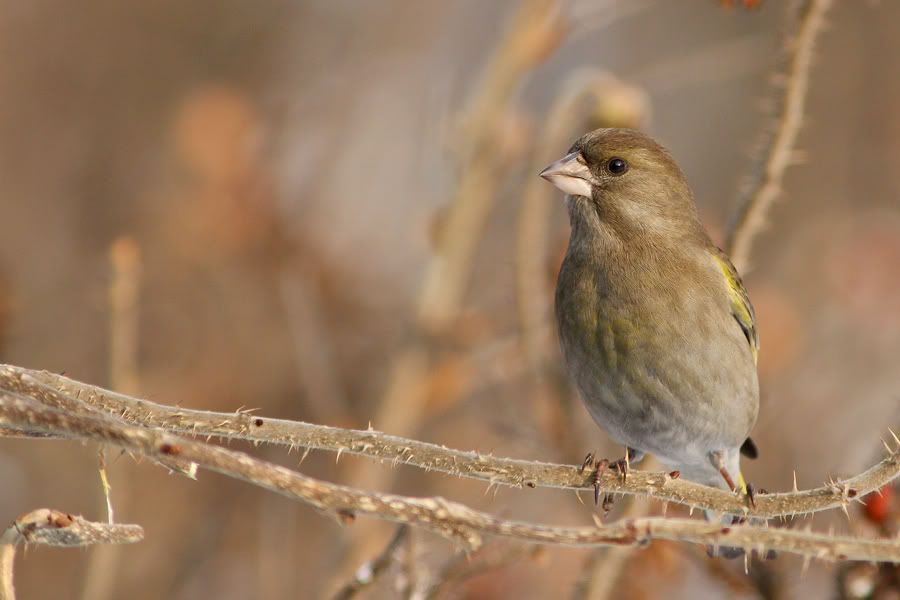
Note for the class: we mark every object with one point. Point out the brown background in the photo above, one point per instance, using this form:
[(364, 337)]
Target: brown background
[(281, 168)]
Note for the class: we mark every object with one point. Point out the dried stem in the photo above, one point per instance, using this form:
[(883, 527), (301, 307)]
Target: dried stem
[(61, 392), (124, 317), (369, 571), (449, 519), (125, 270), (765, 179), (54, 528), (534, 32)]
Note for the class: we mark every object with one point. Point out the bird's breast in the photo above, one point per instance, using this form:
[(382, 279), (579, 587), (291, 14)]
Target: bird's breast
[(653, 367)]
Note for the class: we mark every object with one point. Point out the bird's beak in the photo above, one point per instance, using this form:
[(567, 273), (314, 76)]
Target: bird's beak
[(571, 175)]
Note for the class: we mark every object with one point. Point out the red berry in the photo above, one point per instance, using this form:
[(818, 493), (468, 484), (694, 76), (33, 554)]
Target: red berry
[(878, 505)]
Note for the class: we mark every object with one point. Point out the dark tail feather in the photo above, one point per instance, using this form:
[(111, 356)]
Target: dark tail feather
[(748, 449)]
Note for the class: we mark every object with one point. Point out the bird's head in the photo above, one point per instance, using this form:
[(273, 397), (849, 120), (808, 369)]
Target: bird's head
[(626, 180)]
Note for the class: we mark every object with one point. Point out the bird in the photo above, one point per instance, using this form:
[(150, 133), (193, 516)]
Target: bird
[(655, 325)]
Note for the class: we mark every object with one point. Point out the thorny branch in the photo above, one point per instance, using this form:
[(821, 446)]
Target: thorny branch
[(75, 397), (449, 519), (369, 571), (764, 183), (54, 528)]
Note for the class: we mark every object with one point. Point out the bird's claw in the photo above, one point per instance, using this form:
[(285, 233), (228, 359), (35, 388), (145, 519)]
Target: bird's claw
[(588, 462), (621, 466), (600, 467), (751, 495)]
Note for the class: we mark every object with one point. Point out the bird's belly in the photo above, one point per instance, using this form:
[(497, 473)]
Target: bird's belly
[(678, 405)]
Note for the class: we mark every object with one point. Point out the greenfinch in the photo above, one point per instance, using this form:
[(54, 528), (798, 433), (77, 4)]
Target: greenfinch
[(656, 328)]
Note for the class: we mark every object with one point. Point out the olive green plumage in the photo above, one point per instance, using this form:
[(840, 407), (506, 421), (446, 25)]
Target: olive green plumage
[(655, 326)]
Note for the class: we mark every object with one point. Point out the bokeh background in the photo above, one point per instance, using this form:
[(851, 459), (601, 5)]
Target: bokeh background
[(329, 211)]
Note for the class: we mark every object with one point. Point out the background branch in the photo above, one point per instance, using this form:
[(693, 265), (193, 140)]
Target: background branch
[(764, 182), (369, 571)]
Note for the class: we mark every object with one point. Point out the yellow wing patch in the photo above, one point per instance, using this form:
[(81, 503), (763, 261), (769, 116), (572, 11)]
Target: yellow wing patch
[(740, 302)]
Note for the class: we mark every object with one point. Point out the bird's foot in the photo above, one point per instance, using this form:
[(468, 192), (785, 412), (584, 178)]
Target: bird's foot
[(600, 466)]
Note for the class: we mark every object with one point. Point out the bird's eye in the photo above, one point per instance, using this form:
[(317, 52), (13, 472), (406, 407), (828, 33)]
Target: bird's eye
[(617, 166)]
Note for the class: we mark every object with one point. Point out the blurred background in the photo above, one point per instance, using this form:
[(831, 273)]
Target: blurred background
[(329, 211)]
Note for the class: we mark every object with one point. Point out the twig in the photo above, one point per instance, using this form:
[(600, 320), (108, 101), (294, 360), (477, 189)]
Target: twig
[(60, 392), (764, 182), (125, 270), (54, 528), (124, 294), (450, 519), (534, 32), (369, 571)]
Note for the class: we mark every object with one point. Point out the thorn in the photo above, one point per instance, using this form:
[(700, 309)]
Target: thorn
[(894, 435), (887, 447), (846, 512), (805, 567), (597, 520), (578, 495), (338, 457), (601, 467), (795, 482), (488, 488)]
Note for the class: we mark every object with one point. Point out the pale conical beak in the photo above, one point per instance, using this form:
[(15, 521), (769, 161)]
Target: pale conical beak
[(571, 175)]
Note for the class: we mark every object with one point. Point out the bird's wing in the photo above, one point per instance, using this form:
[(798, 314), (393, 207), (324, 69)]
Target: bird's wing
[(740, 302)]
